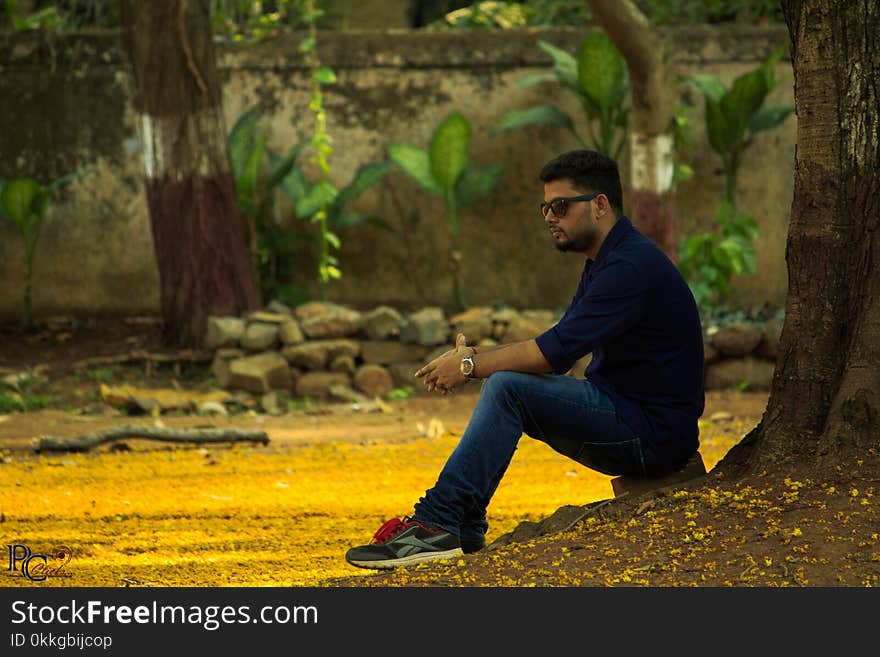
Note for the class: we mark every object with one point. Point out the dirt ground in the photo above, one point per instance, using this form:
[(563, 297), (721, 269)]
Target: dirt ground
[(815, 527)]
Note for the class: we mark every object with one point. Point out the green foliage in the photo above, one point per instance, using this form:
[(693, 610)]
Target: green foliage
[(274, 237), (599, 77), (25, 202), (708, 261), (735, 115), (400, 394), (445, 170)]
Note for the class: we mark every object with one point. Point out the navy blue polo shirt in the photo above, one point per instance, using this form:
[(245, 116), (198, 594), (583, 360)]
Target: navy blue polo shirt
[(635, 313)]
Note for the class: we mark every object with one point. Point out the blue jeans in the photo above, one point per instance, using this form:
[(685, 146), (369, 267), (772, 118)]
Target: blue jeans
[(571, 415)]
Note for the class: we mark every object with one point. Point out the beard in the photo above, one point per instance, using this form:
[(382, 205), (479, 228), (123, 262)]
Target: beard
[(579, 244)]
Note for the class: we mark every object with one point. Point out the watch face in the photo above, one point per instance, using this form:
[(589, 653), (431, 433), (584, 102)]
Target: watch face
[(467, 366)]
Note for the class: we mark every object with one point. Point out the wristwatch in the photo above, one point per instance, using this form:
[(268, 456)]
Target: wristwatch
[(467, 366)]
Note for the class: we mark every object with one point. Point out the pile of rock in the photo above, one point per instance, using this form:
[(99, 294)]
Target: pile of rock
[(327, 351), (741, 355)]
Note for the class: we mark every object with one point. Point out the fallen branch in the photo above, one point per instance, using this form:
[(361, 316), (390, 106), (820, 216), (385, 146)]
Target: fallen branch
[(87, 441)]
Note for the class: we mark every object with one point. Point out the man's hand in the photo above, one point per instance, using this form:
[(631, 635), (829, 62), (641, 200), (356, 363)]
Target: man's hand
[(444, 372)]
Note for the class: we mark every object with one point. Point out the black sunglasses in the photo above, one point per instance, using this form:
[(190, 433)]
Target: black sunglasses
[(559, 205)]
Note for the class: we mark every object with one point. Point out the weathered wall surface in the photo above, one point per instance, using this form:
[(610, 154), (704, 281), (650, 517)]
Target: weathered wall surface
[(64, 106)]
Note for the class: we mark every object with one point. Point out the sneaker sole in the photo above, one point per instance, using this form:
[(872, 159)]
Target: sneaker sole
[(388, 564)]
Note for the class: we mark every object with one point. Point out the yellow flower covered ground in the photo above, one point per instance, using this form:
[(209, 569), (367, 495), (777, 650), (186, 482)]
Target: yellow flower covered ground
[(256, 516)]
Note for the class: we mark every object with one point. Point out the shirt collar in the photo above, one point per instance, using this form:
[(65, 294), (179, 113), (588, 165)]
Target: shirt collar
[(620, 228)]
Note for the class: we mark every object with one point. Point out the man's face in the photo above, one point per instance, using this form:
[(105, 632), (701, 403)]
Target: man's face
[(576, 230)]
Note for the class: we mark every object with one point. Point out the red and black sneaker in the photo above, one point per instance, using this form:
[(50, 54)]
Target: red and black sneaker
[(404, 542)]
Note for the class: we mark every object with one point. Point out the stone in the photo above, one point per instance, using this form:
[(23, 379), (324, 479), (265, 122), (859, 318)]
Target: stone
[(259, 336), (343, 363), (710, 353), (260, 373), (317, 384), (636, 485), (220, 365), (277, 307), (382, 323), (289, 332), (427, 327), (528, 325), (404, 374), (476, 323), (319, 319), (740, 373), (737, 339), (373, 380), (386, 352), (267, 317), (212, 408), (316, 354), (223, 331), (271, 403)]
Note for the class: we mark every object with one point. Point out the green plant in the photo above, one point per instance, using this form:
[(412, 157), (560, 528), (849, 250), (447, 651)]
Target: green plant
[(259, 173), (600, 79), (102, 374), (444, 169), (47, 17), (735, 115), (25, 202), (708, 261), (400, 394)]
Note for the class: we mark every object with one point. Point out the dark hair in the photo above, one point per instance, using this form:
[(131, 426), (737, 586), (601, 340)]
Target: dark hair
[(590, 171)]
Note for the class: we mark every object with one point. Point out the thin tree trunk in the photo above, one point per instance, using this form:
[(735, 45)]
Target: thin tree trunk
[(652, 117), (825, 397), (198, 234)]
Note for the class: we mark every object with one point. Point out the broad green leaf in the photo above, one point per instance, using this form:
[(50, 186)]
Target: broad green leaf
[(294, 184), (18, 199), (741, 102), (416, 164), (476, 182), (325, 75), (241, 140), (364, 178), (602, 72), (280, 167), (564, 63), (770, 63), (316, 197), (249, 177), (769, 116), (449, 150), (709, 86), (717, 128), (529, 80), (538, 115)]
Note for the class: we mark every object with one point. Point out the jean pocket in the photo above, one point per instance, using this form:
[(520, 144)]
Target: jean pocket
[(620, 458)]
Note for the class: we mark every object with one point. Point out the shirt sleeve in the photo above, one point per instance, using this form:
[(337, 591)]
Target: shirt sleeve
[(614, 302)]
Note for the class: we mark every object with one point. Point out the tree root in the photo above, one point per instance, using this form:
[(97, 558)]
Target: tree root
[(87, 441)]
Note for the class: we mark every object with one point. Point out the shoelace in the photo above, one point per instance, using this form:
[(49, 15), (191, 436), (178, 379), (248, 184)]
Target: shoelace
[(390, 529)]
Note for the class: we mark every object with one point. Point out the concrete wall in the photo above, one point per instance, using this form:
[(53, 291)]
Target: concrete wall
[(64, 105)]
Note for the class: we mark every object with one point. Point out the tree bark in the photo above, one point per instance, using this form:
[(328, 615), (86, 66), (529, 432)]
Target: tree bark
[(651, 140), (825, 396), (198, 234)]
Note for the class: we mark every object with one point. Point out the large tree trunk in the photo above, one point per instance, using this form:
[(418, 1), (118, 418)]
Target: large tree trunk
[(825, 397), (651, 141), (198, 235)]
